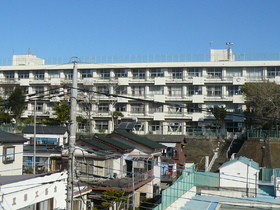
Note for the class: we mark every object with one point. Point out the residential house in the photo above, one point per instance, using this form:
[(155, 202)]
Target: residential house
[(174, 156), (40, 191), (49, 141), (122, 160), (11, 153)]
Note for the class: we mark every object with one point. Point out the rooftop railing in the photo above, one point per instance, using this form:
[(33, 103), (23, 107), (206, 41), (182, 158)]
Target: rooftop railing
[(152, 58)]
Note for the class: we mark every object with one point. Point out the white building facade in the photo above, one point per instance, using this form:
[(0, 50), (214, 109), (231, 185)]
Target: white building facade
[(195, 86)]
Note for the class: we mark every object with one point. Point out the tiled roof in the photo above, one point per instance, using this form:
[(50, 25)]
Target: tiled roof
[(45, 130), (113, 142), (139, 139), (244, 160), (94, 143), (166, 138), (10, 137)]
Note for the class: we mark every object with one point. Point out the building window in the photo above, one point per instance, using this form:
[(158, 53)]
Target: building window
[(175, 91), (174, 110), (68, 74), (103, 73), (273, 71), (137, 108), (39, 89), (39, 75), (8, 154), (8, 90), (233, 72), (194, 90), (23, 74), (155, 108), (9, 75), (192, 108), (155, 126), (86, 73), (156, 73), (214, 72), (103, 89), (101, 124), (156, 90), (121, 90), (103, 108), (214, 90), (139, 73), (120, 107), (54, 74), (177, 73), (175, 127), (194, 72), (120, 73), (255, 72), (39, 107), (139, 126), (234, 90), (138, 90)]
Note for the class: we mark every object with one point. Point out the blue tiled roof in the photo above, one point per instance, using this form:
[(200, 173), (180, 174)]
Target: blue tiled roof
[(244, 160)]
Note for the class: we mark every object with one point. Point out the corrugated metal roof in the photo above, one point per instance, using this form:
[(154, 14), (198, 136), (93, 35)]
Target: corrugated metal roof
[(45, 130), (96, 144), (10, 137), (244, 160), (139, 139), (113, 142)]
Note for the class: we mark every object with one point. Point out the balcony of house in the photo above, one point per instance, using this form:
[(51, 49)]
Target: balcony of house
[(10, 81)]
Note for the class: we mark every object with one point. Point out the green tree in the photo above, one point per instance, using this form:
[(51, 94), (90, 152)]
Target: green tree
[(262, 102), (16, 103), (116, 116), (113, 196), (62, 112)]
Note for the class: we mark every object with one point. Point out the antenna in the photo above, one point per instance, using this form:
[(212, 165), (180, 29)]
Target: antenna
[(210, 44)]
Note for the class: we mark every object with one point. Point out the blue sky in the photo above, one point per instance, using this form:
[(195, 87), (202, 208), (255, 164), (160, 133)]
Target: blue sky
[(66, 28)]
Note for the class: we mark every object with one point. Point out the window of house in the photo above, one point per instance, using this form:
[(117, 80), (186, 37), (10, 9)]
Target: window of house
[(175, 90), (273, 71), (8, 154), (9, 75), (214, 90), (156, 90), (120, 73), (39, 75), (177, 73), (103, 73), (121, 90), (138, 90), (68, 74), (214, 72), (137, 108), (23, 74), (103, 107), (39, 107), (156, 73), (194, 72), (255, 72), (155, 108), (120, 107), (139, 73), (233, 72), (233, 90), (101, 124), (87, 73), (194, 90), (54, 74)]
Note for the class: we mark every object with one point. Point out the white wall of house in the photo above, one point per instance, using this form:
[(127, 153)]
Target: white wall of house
[(26, 193), (239, 175), (12, 167)]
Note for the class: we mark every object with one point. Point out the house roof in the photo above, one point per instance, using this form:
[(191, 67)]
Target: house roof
[(104, 142), (138, 139), (45, 130), (11, 138), (244, 160), (166, 138)]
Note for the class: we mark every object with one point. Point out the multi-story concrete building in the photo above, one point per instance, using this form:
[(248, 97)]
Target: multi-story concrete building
[(195, 86)]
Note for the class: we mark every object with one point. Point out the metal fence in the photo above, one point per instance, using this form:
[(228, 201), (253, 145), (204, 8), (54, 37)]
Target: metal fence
[(151, 58)]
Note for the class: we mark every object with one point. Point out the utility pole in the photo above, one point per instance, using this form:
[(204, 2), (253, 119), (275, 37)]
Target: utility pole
[(72, 139)]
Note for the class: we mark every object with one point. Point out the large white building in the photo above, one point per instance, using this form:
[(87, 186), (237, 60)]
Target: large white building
[(196, 86)]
